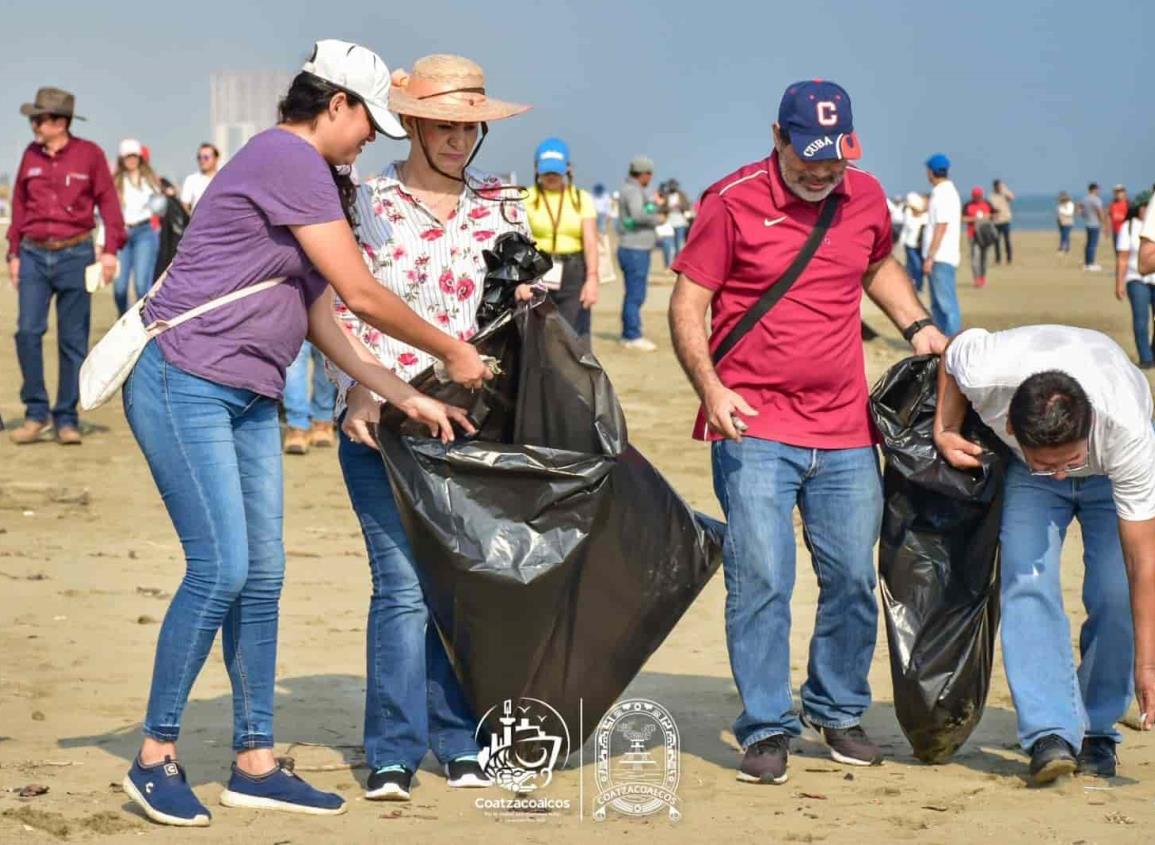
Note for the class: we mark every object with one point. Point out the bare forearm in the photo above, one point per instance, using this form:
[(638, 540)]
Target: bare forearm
[(951, 407), (1138, 541), (890, 288), (590, 247), (691, 342)]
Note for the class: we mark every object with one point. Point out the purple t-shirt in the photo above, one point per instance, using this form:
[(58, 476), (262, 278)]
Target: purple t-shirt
[(239, 236)]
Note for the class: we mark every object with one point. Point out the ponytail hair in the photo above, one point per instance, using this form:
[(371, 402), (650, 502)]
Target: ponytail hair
[(308, 98)]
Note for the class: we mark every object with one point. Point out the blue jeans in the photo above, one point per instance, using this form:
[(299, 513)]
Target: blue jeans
[(137, 259), (1049, 695), (1092, 248), (413, 701), (914, 266), (299, 410), (1142, 298), (44, 274), (839, 494), (635, 264), (1064, 238), (944, 299), (215, 454)]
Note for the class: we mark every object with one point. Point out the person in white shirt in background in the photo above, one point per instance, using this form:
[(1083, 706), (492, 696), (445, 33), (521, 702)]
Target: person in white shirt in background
[(913, 221), (1129, 282), (208, 161), (140, 198), (1076, 414), (1147, 241), (1065, 218), (940, 245)]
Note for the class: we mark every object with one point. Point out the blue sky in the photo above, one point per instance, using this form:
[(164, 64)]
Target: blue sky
[(1047, 95)]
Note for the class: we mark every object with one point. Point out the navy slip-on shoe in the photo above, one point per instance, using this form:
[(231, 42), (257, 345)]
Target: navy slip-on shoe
[(280, 790), (162, 791)]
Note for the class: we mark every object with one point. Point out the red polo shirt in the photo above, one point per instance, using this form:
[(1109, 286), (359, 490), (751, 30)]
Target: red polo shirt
[(55, 195), (802, 366)]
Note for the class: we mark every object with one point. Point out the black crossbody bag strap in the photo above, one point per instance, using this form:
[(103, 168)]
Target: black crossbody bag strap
[(780, 288)]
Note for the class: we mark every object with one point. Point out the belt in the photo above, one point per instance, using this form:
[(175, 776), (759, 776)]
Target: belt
[(64, 243)]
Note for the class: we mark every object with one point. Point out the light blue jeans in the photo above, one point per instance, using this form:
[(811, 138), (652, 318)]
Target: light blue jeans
[(215, 454), (944, 306), (839, 494), (299, 408), (138, 260), (1050, 696)]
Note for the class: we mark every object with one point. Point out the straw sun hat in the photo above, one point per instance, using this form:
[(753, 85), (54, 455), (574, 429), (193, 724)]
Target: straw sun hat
[(451, 88)]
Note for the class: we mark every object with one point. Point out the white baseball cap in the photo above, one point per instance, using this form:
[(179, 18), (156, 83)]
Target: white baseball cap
[(359, 71), (130, 147)]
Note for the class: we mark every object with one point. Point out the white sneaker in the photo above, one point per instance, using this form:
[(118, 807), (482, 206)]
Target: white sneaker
[(1093, 268), (639, 344)]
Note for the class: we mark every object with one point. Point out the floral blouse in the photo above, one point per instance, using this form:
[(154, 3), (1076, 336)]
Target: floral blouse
[(437, 269)]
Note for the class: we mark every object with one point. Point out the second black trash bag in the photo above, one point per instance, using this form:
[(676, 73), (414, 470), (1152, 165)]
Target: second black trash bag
[(938, 559), (554, 557)]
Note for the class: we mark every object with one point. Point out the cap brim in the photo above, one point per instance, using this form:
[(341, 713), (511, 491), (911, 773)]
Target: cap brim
[(385, 122), (837, 147), (552, 167), (32, 110)]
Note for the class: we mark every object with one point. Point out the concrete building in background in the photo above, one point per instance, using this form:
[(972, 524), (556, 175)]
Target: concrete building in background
[(242, 104)]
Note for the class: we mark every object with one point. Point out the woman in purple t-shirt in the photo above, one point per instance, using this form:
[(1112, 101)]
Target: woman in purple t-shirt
[(202, 403)]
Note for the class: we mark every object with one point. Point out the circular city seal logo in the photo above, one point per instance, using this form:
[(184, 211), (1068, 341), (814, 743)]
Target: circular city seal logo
[(530, 740), (638, 760)]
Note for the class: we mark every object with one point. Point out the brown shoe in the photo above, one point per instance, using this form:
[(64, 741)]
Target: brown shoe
[(68, 435), (765, 761), (30, 431), (321, 435), (297, 441)]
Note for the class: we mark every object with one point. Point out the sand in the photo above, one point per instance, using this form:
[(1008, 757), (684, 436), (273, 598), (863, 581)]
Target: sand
[(88, 558)]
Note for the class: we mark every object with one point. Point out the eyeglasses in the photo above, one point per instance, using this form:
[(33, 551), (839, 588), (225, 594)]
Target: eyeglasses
[(1047, 473)]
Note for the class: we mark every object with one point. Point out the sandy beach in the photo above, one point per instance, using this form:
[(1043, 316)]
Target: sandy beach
[(88, 559)]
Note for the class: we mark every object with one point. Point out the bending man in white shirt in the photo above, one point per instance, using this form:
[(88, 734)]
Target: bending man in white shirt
[(1077, 415)]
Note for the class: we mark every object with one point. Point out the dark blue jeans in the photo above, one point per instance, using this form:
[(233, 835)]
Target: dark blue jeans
[(1092, 245), (413, 701), (215, 454), (1064, 238), (1142, 298), (839, 494), (914, 266), (1004, 239), (635, 264), (44, 274)]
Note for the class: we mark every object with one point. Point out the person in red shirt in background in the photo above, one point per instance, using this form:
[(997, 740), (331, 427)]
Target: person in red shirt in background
[(786, 411), (1118, 209), (59, 182), (981, 233)]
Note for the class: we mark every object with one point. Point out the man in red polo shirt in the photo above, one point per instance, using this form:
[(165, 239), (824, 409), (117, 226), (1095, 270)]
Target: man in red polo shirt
[(786, 410), (61, 179)]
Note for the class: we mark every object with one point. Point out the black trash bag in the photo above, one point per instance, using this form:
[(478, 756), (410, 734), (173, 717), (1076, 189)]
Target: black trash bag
[(555, 559), (172, 226), (514, 260), (938, 559)]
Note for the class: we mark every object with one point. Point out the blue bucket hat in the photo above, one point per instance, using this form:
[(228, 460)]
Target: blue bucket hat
[(552, 156)]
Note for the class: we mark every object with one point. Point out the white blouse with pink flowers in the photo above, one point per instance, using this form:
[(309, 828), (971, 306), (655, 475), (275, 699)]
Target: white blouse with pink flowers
[(437, 269)]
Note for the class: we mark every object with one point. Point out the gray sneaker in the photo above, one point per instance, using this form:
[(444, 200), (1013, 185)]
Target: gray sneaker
[(765, 761), (852, 746)]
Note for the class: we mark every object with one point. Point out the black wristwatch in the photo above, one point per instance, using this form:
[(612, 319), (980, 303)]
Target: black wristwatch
[(914, 328)]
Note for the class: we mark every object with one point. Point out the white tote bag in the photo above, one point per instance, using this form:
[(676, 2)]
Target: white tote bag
[(112, 359)]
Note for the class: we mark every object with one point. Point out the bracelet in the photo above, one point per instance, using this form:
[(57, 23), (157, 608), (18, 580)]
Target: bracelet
[(914, 328)]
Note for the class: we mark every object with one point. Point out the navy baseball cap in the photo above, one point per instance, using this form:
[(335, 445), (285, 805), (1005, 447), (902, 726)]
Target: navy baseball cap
[(818, 118)]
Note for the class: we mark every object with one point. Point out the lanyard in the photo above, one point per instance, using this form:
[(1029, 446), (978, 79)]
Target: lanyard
[(556, 221)]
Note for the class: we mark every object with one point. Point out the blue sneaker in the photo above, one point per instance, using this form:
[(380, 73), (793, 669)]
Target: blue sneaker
[(162, 791), (282, 790)]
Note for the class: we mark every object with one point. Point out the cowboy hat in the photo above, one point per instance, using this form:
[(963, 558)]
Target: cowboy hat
[(51, 101), (450, 88)]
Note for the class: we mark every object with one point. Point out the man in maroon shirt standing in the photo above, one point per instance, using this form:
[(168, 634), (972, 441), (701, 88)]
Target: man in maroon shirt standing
[(61, 179), (786, 409)]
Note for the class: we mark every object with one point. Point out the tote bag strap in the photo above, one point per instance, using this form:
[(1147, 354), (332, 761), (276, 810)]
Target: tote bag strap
[(164, 325)]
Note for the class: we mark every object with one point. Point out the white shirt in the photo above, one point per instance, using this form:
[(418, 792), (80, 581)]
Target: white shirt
[(912, 228), (194, 188), (437, 268), (1148, 230), (135, 201), (945, 207), (1128, 242), (989, 367)]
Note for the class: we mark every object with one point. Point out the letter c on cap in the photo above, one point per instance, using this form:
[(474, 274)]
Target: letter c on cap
[(827, 113)]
